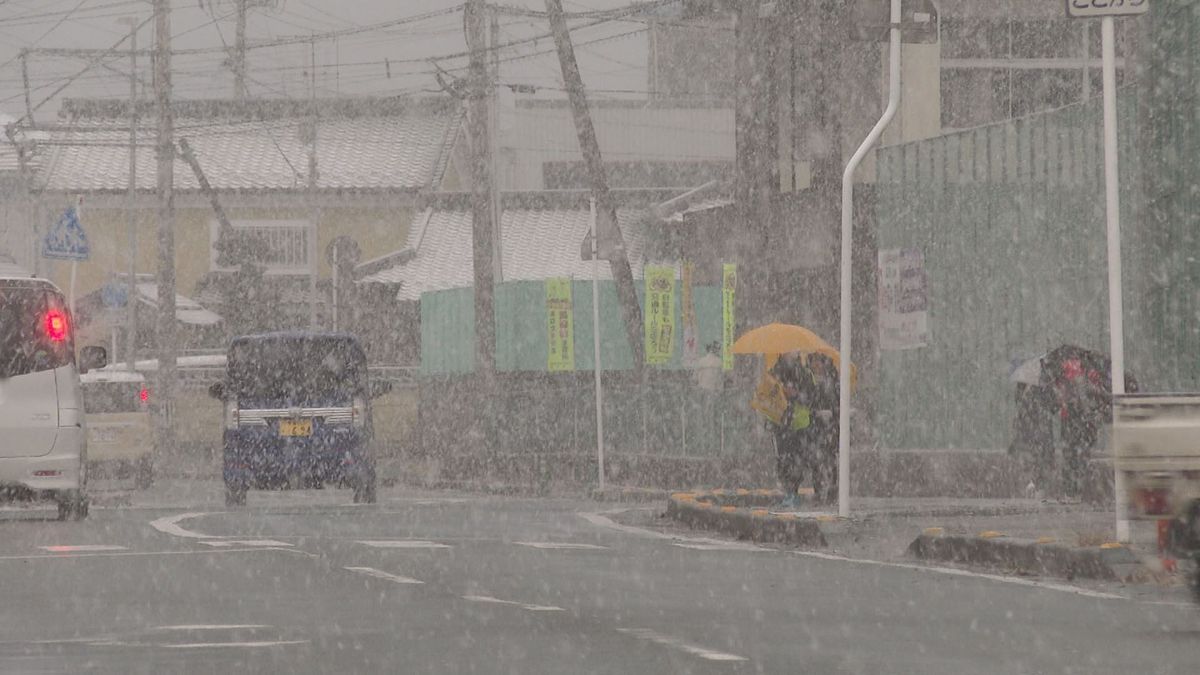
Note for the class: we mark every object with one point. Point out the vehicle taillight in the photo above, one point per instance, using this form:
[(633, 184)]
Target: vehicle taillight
[(56, 326), (359, 412), (1152, 501), (231, 413)]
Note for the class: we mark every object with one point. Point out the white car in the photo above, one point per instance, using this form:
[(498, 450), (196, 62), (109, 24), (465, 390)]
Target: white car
[(43, 436), (119, 433)]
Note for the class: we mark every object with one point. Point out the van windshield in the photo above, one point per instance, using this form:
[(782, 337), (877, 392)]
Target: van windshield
[(34, 331), (296, 370)]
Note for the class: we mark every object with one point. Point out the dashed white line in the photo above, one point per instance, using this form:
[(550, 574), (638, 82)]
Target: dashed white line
[(722, 546), (83, 548), (139, 554), (386, 576), (557, 545), (677, 643), (498, 601), (209, 645), (214, 626), (244, 542), (402, 543)]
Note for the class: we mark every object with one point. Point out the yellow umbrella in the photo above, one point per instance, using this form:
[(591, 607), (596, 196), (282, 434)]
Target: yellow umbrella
[(781, 338)]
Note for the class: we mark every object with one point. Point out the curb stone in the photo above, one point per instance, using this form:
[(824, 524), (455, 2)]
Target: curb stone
[(709, 511), (1044, 556)]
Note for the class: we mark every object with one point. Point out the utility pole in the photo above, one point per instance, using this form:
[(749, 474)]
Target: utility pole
[(494, 149), (25, 80), (131, 214), (165, 148), (239, 53), (611, 244), (483, 231), (313, 178)]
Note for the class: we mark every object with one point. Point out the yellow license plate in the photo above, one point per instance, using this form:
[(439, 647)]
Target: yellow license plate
[(295, 427)]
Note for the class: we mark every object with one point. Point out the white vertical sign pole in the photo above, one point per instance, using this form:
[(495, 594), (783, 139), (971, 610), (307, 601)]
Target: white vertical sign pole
[(1112, 207), (596, 343), (846, 269)]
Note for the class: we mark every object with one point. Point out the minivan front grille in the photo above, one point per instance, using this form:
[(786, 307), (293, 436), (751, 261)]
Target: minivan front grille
[(261, 418)]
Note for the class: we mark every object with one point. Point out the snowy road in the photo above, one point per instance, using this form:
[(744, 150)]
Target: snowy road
[(302, 582)]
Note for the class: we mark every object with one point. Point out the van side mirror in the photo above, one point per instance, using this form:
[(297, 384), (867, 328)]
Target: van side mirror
[(92, 357), (379, 388), (217, 391)]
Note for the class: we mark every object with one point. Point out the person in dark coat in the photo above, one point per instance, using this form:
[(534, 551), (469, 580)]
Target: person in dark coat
[(794, 436), (822, 455), (1033, 431)]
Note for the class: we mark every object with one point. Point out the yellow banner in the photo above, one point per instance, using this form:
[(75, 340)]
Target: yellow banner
[(660, 313), (560, 335), (728, 292)]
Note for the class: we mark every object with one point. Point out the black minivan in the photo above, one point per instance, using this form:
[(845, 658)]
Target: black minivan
[(297, 414)]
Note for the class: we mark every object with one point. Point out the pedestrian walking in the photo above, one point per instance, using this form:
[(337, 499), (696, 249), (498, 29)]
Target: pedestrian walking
[(784, 397), (822, 453)]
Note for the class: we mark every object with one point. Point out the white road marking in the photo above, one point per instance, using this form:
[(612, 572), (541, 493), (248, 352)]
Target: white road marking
[(722, 546), (170, 525), (601, 520), (676, 643), (557, 545), (498, 601), (402, 543), (244, 542), (380, 574), (214, 626), (123, 554), (260, 643), (80, 548)]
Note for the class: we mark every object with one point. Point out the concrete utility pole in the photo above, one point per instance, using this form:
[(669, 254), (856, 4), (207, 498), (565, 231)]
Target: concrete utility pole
[(313, 183), (239, 52), (25, 80), (165, 147), (483, 231), (611, 244), (131, 301)]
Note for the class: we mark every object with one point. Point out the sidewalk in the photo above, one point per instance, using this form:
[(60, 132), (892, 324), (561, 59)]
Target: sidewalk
[(1022, 536)]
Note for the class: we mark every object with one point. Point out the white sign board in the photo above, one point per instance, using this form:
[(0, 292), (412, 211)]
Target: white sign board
[(1090, 9), (903, 299)]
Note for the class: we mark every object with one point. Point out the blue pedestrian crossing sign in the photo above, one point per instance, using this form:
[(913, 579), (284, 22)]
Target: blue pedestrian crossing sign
[(66, 239)]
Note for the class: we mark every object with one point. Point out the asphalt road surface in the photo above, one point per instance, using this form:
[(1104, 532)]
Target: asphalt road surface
[(305, 582)]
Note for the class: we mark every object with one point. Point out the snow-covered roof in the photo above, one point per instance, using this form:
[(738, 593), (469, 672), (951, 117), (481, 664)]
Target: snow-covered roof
[(537, 243), (392, 152), (186, 310)]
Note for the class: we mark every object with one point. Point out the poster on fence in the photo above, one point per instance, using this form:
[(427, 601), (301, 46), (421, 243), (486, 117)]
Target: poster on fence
[(560, 335), (660, 313), (728, 291), (691, 350), (903, 299)]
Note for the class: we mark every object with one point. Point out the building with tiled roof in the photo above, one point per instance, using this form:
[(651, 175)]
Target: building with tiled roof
[(375, 159)]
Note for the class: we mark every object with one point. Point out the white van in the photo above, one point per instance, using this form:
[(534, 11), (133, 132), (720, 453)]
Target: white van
[(43, 436), (120, 438)]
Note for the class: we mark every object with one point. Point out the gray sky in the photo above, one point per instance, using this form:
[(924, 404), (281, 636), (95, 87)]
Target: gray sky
[(612, 56)]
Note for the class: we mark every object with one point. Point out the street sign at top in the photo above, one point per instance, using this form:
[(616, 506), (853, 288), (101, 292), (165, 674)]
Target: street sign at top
[(1090, 9)]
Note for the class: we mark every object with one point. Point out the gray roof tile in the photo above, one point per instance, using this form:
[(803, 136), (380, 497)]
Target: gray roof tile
[(368, 153)]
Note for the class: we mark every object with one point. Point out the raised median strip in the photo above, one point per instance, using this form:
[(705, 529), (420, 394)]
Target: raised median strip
[(1044, 556), (743, 514)]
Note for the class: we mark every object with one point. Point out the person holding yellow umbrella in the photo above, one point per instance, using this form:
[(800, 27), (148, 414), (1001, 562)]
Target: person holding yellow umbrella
[(797, 395)]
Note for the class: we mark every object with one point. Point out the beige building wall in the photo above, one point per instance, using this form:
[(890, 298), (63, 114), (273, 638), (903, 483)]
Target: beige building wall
[(377, 229)]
